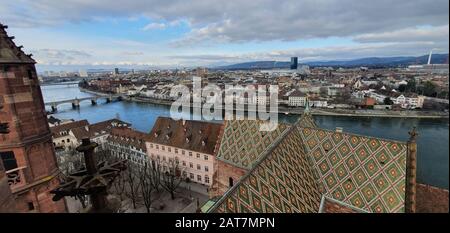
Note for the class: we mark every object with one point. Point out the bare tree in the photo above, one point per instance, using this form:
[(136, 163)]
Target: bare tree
[(118, 189), (171, 178), (155, 170), (132, 182), (148, 190)]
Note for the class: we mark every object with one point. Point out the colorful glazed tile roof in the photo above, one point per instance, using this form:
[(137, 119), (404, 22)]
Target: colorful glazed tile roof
[(366, 172), (330, 205), (242, 142), (281, 182), (305, 163), (306, 120)]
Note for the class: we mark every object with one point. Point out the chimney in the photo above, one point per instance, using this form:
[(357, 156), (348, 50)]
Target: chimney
[(429, 57)]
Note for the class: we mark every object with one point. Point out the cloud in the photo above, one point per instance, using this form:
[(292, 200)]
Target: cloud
[(367, 27), (56, 56), (132, 53), (129, 43), (439, 33), (315, 54), (153, 26), (241, 21)]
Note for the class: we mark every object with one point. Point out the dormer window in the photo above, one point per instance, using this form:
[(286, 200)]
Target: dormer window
[(188, 138)]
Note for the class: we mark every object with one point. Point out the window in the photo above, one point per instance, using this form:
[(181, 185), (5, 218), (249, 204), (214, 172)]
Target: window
[(191, 165), (157, 147), (183, 152), (191, 175), (207, 179), (163, 148), (151, 146), (164, 158), (198, 155), (230, 182), (184, 163), (190, 154), (30, 206), (68, 140), (199, 167), (199, 178), (176, 151), (206, 157), (30, 74), (169, 149), (206, 169), (9, 160)]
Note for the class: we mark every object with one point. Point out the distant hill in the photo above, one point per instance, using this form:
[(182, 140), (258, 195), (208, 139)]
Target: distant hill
[(369, 61)]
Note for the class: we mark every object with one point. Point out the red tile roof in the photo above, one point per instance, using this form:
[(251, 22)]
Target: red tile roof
[(128, 136), (190, 135), (59, 129), (431, 199)]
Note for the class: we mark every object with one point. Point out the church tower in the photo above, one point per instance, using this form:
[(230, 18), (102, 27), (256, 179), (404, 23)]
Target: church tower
[(26, 151)]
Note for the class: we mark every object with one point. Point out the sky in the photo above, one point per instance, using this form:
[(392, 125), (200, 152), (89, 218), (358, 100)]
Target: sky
[(82, 34)]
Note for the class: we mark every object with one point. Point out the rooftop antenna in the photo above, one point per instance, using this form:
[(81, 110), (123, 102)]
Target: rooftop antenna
[(429, 57)]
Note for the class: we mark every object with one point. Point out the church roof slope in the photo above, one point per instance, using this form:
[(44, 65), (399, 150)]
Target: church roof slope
[(281, 182), (330, 205), (242, 142), (366, 172), (306, 120), (9, 52)]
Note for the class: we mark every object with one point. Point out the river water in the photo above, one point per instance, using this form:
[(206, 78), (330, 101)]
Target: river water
[(433, 139)]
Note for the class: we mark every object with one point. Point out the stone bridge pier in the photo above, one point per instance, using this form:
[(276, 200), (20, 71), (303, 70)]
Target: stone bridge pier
[(54, 107), (75, 103)]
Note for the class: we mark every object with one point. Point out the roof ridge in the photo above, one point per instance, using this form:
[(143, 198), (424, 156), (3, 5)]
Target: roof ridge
[(265, 153), (355, 134)]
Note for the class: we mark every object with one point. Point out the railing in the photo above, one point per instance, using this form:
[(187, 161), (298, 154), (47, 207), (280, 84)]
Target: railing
[(16, 177)]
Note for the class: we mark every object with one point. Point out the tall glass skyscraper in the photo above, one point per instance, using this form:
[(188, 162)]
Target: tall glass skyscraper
[(294, 63)]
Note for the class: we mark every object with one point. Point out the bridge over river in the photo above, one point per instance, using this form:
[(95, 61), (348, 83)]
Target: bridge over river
[(93, 99)]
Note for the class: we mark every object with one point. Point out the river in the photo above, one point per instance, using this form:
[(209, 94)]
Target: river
[(433, 139)]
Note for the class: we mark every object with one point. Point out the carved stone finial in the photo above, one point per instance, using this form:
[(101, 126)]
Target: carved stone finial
[(413, 134)]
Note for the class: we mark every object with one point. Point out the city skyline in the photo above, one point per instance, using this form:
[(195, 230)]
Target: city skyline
[(156, 34)]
